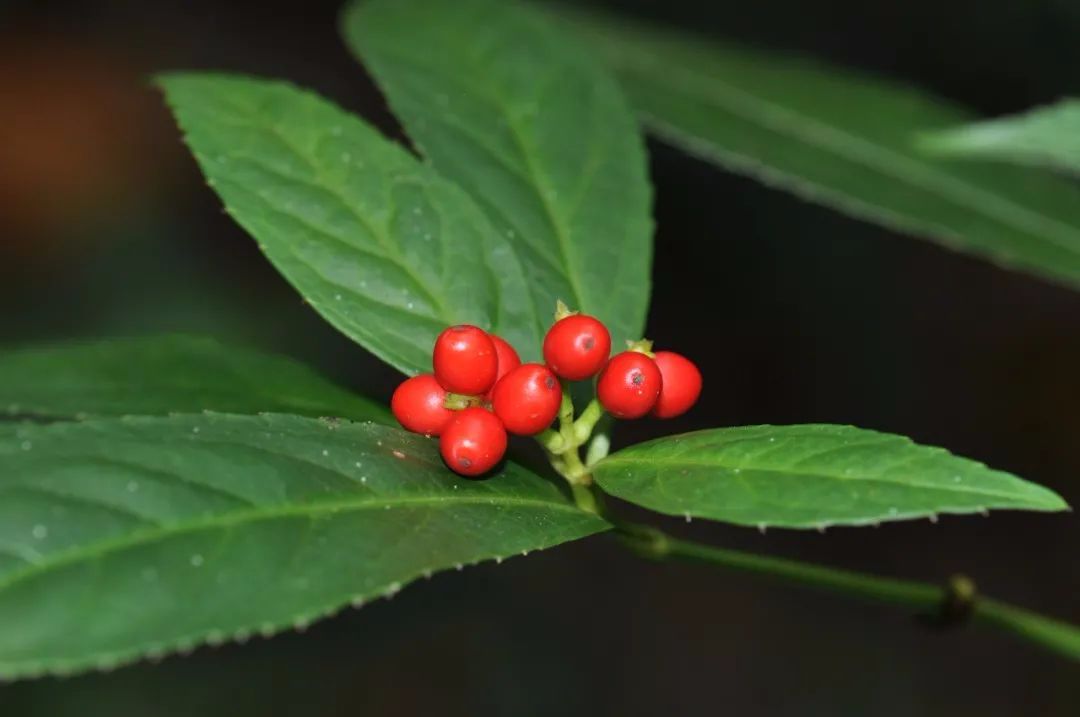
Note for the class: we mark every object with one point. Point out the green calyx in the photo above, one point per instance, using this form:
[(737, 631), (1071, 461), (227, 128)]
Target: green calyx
[(641, 346), (562, 310)]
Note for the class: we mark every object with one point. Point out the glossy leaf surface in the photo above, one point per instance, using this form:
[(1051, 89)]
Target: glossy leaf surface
[(380, 245), (123, 538), (841, 139), (809, 476), (508, 105), (167, 374)]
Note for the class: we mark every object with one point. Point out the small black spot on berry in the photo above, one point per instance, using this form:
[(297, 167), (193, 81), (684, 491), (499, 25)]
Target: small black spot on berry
[(549, 381), (464, 462), (588, 343), (637, 378)]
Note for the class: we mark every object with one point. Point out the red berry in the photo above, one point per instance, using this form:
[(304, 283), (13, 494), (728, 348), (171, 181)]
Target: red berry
[(629, 385), (508, 361), (465, 360), (418, 405), (681, 384), (473, 442), (576, 347), (527, 399)]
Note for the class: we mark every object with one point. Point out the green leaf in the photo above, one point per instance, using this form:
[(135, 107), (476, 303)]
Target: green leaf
[(1044, 137), (809, 476), (509, 106), (383, 248), (167, 374), (124, 538), (843, 140)]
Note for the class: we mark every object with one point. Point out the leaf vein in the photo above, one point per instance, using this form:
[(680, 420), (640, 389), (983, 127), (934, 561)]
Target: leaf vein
[(99, 550)]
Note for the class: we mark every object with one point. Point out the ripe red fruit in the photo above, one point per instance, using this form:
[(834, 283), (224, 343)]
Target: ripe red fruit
[(508, 361), (629, 385), (473, 442), (681, 384), (465, 360), (527, 399), (418, 405), (576, 347)]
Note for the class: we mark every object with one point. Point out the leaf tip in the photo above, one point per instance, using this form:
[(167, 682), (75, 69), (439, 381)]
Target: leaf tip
[(1057, 503), (1045, 499)]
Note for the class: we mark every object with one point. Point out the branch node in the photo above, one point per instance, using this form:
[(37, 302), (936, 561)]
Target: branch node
[(957, 603), (645, 541)]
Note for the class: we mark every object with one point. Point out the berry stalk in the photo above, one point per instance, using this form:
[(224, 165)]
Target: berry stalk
[(563, 446), (586, 422)]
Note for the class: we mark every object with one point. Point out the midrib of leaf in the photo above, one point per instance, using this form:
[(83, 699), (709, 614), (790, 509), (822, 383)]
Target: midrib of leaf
[(441, 318), (237, 518), (438, 301), (531, 175), (324, 185), (790, 471), (545, 190), (471, 137), (858, 150), (105, 659)]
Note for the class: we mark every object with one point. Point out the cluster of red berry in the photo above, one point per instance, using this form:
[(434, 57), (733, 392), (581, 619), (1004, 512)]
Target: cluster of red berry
[(480, 389)]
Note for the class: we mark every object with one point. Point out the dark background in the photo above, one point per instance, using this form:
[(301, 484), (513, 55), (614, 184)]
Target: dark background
[(797, 314)]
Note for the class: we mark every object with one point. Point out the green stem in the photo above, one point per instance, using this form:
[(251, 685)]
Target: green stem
[(587, 498), (659, 546), (566, 409), (575, 472), (950, 604), (1054, 635), (562, 447), (583, 426), (551, 441)]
